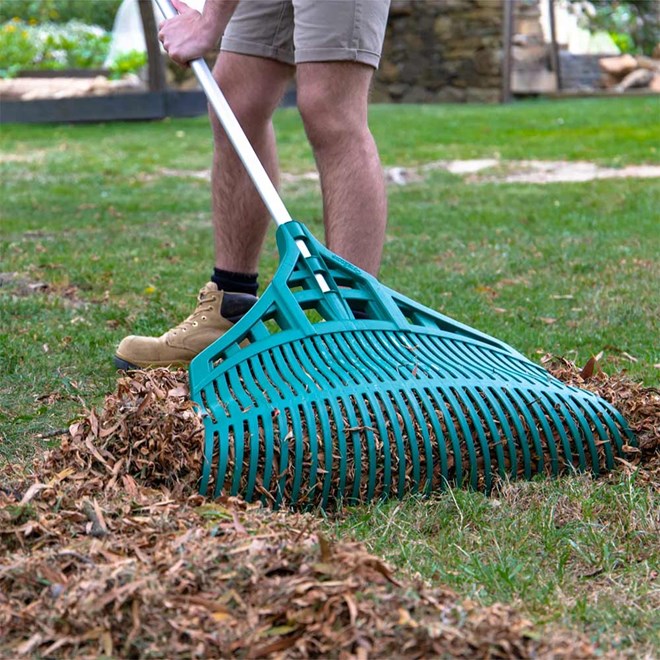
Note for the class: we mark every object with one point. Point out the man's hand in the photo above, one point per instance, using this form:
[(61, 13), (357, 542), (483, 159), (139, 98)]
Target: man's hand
[(191, 35)]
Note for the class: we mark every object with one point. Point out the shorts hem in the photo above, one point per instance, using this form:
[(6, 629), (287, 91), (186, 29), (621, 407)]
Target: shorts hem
[(242, 47), (337, 55)]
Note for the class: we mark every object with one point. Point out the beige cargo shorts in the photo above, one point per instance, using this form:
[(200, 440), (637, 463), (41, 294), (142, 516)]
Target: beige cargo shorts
[(295, 31)]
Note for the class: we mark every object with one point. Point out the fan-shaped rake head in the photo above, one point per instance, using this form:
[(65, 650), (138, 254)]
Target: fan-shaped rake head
[(403, 400)]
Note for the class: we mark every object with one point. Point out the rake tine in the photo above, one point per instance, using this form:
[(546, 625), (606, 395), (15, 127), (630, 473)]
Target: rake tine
[(536, 405), (457, 414), (477, 424), (440, 439), (498, 434), (516, 371), (352, 436), (320, 413), (389, 360), (598, 417), (446, 357), (589, 438), (562, 427), (269, 452), (385, 346), (413, 405), (574, 433), (309, 483), (439, 399), (367, 423), (515, 394), (614, 422), (223, 460), (254, 439), (320, 379), (370, 375), (380, 348), (517, 443), (297, 432), (239, 462), (384, 403), (283, 435), (480, 401), (410, 435), (341, 444)]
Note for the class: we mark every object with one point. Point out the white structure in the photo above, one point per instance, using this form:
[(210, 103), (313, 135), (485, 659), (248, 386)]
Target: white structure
[(572, 37)]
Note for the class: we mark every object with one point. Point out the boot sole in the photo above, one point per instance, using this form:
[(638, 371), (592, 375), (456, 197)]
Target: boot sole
[(125, 365)]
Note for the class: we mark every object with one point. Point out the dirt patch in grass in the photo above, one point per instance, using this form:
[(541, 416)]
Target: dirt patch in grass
[(491, 170), (481, 170), (21, 287)]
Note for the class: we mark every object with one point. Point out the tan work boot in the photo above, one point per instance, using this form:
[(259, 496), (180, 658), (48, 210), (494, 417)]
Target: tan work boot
[(216, 312)]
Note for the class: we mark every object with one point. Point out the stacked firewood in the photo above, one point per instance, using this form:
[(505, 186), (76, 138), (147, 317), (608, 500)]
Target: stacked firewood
[(624, 72)]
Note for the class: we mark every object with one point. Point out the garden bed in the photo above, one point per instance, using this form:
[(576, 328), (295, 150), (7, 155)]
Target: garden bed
[(30, 87), (93, 100)]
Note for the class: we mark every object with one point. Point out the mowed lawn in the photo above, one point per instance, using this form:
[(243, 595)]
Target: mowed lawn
[(105, 231)]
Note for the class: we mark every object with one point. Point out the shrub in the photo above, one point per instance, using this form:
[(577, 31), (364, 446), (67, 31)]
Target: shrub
[(49, 46), (128, 62), (74, 45), (94, 12), (17, 50), (634, 25)]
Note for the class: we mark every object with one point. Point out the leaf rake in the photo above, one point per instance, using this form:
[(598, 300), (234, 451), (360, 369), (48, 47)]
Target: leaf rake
[(398, 400)]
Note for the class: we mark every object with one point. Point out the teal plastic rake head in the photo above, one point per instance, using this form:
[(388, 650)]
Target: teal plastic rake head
[(400, 400), (403, 401)]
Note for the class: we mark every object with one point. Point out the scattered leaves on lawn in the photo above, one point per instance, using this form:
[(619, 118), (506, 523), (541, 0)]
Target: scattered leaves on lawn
[(106, 550)]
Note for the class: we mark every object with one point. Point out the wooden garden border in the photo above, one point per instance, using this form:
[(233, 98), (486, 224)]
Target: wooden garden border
[(110, 107)]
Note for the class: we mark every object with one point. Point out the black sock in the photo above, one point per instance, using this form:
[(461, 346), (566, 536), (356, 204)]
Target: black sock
[(235, 282)]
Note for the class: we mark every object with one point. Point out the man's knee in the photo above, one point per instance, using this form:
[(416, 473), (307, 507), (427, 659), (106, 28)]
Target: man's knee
[(252, 86), (326, 123), (333, 107)]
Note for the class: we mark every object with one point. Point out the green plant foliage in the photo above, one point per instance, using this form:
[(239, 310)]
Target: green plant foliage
[(634, 25), (17, 51), (50, 46), (128, 62), (96, 12), (624, 42), (73, 45)]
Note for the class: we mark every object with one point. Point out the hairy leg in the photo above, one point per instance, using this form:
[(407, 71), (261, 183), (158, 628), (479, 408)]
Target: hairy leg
[(253, 87), (332, 98)]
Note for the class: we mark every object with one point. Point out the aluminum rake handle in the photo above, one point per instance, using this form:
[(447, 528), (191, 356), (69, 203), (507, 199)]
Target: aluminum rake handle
[(246, 153)]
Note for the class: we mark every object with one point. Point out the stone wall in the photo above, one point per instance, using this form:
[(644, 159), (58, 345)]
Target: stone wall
[(442, 51)]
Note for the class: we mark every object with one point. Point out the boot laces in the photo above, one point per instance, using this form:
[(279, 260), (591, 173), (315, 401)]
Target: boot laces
[(205, 301)]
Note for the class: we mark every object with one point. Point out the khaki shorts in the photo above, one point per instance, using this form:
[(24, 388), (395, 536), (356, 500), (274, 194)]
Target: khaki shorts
[(295, 31)]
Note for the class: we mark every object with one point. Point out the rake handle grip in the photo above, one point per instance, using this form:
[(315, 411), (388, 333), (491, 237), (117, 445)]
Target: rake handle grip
[(235, 133)]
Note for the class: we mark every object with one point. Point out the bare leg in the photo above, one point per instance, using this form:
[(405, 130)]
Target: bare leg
[(332, 98), (253, 87)]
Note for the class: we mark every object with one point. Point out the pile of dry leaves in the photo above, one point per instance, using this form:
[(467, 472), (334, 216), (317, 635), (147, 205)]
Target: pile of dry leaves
[(639, 405), (106, 550)]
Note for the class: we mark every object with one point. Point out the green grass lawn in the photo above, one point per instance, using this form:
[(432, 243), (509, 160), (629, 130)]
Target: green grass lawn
[(97, 243)]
